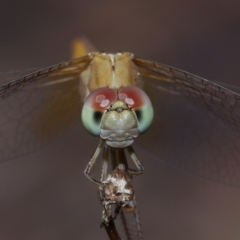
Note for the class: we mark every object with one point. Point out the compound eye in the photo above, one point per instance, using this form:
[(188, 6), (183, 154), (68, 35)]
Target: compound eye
[(138, 100), (94, 107)]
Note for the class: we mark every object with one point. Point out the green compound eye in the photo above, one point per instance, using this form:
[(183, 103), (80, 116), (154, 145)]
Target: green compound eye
[(140, 103), (95, 106)]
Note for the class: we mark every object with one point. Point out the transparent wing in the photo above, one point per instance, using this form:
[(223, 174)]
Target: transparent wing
[(37, 107), (232, 88), (196, 125), (11, 75)]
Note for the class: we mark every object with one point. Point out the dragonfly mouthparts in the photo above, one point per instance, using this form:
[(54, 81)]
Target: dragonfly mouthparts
[(120, 109)]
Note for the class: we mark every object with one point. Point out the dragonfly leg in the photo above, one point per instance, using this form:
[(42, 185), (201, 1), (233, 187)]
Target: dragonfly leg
[(106, 156), (92, 162), (136, 161)]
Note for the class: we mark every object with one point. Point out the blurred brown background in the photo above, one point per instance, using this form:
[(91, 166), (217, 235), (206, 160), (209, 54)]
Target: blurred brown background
[(44, 195)]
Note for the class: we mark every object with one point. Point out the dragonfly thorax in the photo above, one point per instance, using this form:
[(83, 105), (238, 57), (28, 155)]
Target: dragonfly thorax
[(119, 125)]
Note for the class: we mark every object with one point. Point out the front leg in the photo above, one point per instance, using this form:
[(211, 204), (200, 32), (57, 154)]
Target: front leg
[(92, 162), (136, 161)]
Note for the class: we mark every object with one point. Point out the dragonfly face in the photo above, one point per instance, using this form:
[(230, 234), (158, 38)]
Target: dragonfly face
[(117, 116), (119, 125)]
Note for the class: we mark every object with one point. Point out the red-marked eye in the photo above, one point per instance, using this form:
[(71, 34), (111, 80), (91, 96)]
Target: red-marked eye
[(133, 96), (101, 99), (93, 109), (140, 103)]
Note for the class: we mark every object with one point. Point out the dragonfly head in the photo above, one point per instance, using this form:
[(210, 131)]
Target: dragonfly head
[(119, 125), (117, 116)]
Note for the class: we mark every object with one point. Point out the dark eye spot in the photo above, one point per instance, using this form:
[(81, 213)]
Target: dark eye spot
[(97, 116), (139, 115)]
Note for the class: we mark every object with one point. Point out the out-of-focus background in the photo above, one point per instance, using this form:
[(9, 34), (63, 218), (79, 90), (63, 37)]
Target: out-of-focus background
[(44, 195)]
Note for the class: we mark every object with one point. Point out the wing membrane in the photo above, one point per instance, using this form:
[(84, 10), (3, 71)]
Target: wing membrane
[(48, 103), (196, 124)]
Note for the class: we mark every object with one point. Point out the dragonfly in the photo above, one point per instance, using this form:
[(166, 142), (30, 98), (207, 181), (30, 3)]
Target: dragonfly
[(195, 126)]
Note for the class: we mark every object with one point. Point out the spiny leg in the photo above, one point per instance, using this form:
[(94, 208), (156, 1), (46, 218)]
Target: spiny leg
[(106, 155), (118, 159), (129, 224), (136, 161), (106, 212), (123, 210), (92, 162)]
